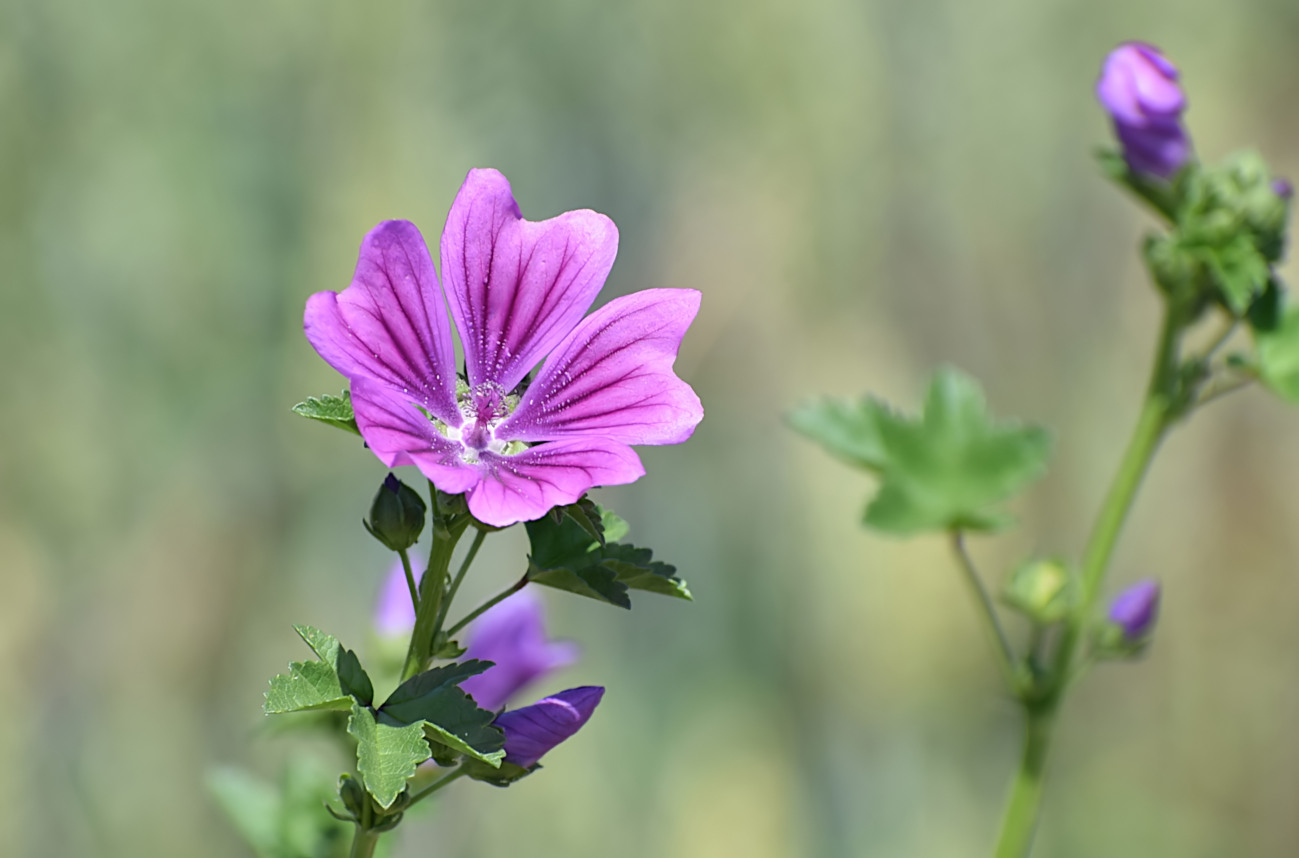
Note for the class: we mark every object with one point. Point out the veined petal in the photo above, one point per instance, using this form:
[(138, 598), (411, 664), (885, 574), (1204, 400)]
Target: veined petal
[(516, 287), (399, 434), (390, 323), (612, 376), (528, 485), (533, 731)]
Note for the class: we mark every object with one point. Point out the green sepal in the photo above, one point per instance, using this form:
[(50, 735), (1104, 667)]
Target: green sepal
[(1276, 340), (1160, 195), (450, 716), (565, 555), (1108, 643), (507, 774), (330, 683), (949, 468), (386, 754), (332, 410)]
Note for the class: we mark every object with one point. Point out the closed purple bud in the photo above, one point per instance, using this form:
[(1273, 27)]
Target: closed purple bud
[(1134, 609), (1282, 188), (530, 732), (512, 635), (1138, 88)]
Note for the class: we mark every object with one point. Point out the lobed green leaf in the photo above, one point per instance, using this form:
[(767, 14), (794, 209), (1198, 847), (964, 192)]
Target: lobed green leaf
[(386, 754), (332, 410)]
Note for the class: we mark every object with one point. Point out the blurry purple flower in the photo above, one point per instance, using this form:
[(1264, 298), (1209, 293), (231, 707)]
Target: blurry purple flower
[(512, 635), (394, 613), (1282, 188), (530, 732), (1138, 88), (517, 291), (1134, 609)]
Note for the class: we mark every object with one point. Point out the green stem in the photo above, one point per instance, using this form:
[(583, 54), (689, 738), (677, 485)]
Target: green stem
[(499, 597), (1005, 655), (1163, 400), (365, 838), (410, 578), (1020, 821), (436, 785), (446, 533), (364, 842), (460, 575)]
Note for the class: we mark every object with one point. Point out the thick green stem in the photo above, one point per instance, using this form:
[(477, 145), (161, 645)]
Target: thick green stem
[(1163, 401), (365, 838), (446, 533), (364, 842), (1020, 821)]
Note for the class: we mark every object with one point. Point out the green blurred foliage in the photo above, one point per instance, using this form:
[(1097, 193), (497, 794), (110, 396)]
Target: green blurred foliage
[(862, 190)]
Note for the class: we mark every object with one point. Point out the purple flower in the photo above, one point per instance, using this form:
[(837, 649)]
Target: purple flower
[(512, 635), (530, 732), (1138, 88), (1134, 610), (517, 291), (394, 613), (1282, 188)]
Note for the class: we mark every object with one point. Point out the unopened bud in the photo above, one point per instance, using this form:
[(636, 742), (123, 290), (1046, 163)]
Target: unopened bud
[(396, 515)]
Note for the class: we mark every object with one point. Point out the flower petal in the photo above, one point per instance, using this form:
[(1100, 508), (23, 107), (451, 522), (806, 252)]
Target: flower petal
[(516, 287), (390, 323), (399, 434), (532, 731), (512, 635), (612, 376), (528, 485)]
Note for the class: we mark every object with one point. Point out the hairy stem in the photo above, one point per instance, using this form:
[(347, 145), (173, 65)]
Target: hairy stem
[(1157, 414), (987, 611), (446, 533)]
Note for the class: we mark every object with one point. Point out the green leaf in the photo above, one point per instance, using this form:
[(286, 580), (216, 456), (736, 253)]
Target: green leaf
[(504, 776), (307, 685), (846, 428), (1239, 270), (317, 684), (386, 754), (949, 468), (333, 410), (567, 557), (586, 514), (637, 569), (1278, 355), (435, 699), (353, 679), (593, 581)]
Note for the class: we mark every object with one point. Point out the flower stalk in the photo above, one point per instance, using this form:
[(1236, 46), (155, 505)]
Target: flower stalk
[(446, 533)]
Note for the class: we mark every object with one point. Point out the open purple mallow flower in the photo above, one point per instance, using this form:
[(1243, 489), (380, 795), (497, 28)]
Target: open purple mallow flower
[(532, 731), (1138, 88), (512, 635), (517, 292), (1135, 609), (394, 612)]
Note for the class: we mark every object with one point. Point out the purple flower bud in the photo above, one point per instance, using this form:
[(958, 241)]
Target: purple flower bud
[(530, 732), (394, 613), (1282, 188), (1138, 88), (1134, 609), (512, 635)]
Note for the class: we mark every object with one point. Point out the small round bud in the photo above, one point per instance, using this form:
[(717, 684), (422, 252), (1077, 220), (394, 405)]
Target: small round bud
[(1041, 590), (396, 515), (1138, 89), (1135, 610)]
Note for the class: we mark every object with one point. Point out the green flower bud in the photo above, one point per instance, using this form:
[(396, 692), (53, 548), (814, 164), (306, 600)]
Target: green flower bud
[(396, 515), (1041, 590)]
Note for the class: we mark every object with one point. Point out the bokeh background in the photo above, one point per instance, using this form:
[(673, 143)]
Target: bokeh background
[(862, 190)]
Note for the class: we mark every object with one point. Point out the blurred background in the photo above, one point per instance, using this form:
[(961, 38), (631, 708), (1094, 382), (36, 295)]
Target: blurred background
[(862, 190)]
